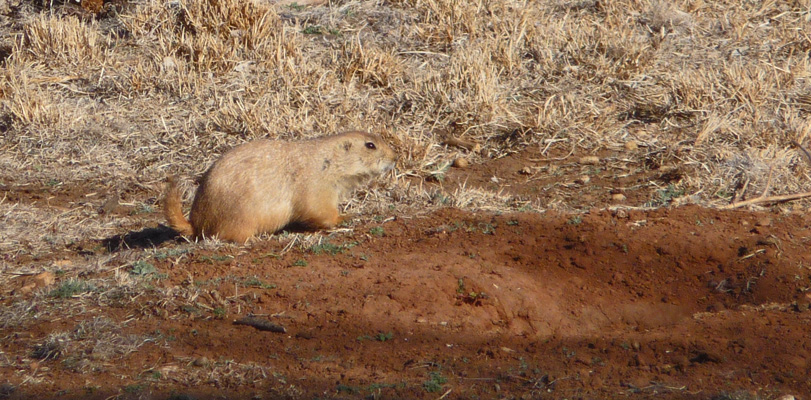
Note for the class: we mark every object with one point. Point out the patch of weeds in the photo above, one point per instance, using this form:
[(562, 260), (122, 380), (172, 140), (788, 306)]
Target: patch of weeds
[(53, 182), (313, 30), (162, 255), (723, 195), (434, 382), (664, 197), (377, 386), (255, 282), (135, 388), (215, 258), (300, 263), (210, 282), (144, 269), (363, 257), (380, 337), (438, 175), (377, 231), (219, 312), (341, 388), (487, 228), (143, 208), (512, 222), (257, 260), (441, 199), (296, 6), (468, 297), (190, 309), (575, 220), (331, 249), (72, 287)]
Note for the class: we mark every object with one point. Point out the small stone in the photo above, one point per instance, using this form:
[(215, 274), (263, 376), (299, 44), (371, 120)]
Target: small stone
[(169, 63), (460, 163), (525, 171), (589, 160), (620, 213), (618, 197), (766, 221), (200, 362), (62, 263), (168, 369), (582, 180), (631, 145), (786, 397)]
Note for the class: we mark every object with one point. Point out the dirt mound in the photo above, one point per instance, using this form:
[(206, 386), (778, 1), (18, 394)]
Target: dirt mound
[(687, 302)]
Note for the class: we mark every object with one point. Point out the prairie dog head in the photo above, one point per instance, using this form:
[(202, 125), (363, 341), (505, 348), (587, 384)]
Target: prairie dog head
[(364, 154)]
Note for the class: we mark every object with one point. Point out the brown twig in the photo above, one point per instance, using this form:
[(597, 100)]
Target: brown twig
[(767, 199), (465, 144), (261, 324), (807, 154)]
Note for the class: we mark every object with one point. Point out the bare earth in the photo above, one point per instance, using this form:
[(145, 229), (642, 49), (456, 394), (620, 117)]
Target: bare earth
[(682, 302)]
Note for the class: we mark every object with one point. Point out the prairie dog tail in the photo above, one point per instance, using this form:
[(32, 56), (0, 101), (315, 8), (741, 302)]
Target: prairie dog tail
[(173, 209)]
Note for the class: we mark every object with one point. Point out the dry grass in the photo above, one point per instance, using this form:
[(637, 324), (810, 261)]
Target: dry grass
[(116, 102)]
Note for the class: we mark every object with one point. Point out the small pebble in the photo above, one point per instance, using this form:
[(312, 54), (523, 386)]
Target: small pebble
[(631, 145), (582, 180), (169, 63), (618, 197), (589, 160), (460, 163)]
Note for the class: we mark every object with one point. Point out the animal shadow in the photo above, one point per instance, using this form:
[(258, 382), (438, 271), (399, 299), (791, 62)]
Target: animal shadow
[(145, 238)]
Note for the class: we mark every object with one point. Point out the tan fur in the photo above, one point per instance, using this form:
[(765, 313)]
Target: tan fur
[(264, 185)]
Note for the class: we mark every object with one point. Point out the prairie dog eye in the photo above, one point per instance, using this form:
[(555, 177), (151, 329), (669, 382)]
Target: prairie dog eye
[(370, 146)]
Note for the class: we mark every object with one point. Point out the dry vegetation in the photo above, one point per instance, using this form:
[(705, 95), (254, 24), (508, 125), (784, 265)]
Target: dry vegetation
[(114, 102), (107, 105), (117, 101)]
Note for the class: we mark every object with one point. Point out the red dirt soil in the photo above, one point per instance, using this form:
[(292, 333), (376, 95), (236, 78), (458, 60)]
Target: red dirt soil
[(672, 303)]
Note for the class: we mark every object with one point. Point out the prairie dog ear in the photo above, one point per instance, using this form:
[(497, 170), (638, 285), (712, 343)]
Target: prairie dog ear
[(347, 145)]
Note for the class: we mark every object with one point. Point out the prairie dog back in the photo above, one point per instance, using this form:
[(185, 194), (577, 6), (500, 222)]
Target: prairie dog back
[(265, 185)]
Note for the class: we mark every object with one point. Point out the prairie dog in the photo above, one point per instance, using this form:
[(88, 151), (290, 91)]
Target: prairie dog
[(265, 185)]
